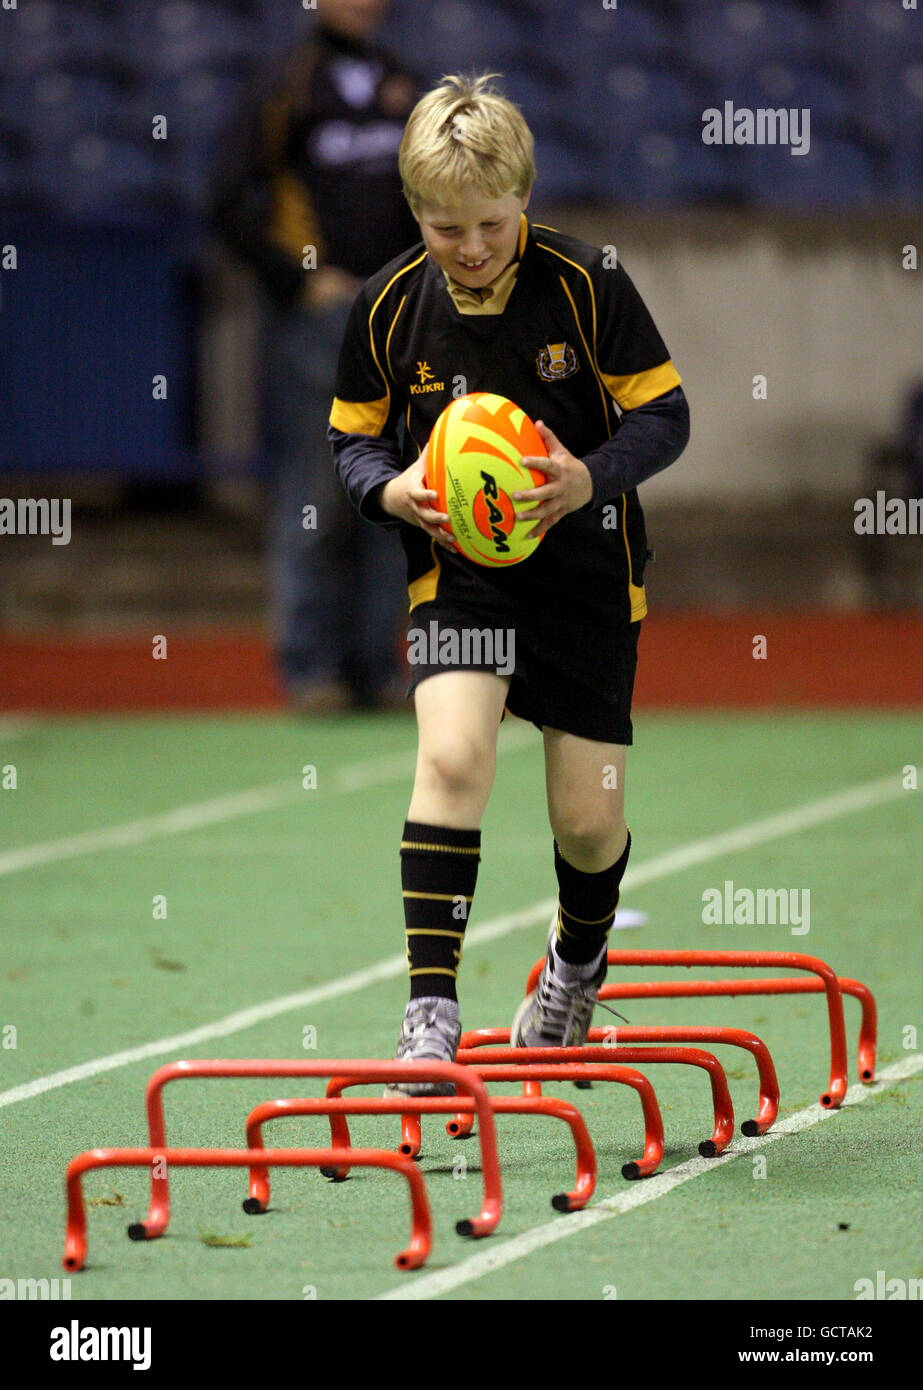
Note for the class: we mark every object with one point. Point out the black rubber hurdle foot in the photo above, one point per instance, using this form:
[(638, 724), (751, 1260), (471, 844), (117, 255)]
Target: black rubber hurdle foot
[(707, 1148), (749, 1128), (332, 1174), (253, 1206), (561, 1202), (631, 1171), (583, 1085), (136, 1231), (464, 1228)]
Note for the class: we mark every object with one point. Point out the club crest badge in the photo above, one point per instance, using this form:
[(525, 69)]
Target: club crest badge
[(556, 361)]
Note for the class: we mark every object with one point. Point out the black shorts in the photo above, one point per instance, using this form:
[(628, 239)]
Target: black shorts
[(542, 689)]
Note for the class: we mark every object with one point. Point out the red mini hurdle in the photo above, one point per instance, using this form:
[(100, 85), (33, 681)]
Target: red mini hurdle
[(359, 1073), (684, 989), (562, 1069), (829, 982), (629, 1033), (75, 1246), (592, 1058), (411, 1107)]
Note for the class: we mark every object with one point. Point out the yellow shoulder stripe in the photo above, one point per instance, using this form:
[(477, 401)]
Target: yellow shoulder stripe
[(631, 391), (359, 417)]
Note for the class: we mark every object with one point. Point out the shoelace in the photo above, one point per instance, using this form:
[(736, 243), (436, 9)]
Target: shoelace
[(429, 1017), (560, 1006), (563, 1006)]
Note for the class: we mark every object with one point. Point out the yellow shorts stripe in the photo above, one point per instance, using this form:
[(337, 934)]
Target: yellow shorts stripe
[(423, 590)]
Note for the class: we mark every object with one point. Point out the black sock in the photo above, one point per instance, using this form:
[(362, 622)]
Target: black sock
[(586, 907), (439, 870)]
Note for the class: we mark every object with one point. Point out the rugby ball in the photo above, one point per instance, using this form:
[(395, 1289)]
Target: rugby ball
[(474, 465)]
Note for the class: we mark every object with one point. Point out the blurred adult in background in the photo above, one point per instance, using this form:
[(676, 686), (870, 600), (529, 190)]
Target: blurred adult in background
[(309, 195)]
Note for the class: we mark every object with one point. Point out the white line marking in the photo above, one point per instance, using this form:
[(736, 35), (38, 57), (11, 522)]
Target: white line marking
[(200, 815), (495, 1257), (660, 866)]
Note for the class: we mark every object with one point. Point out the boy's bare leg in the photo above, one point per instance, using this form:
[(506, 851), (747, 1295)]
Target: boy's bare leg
[(458, 715), (585, 782)]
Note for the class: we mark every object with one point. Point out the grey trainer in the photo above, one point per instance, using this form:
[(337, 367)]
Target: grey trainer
[(430, 1032), (559, 1010)]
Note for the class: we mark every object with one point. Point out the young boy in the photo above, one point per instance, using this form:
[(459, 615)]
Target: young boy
[(490, 302)]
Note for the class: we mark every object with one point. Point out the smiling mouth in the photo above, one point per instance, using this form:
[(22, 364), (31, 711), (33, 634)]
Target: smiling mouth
[(474, 265)]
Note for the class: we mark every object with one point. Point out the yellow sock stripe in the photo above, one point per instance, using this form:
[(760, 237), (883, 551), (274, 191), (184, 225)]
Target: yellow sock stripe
[(437, 897), (585, 921), (432, 931), (434, 970), (446, 849)]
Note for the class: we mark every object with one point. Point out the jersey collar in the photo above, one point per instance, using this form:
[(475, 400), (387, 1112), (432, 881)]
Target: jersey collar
[(493, 298)]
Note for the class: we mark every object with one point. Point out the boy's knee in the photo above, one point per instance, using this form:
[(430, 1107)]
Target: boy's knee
[(590, 840), (458, 764)]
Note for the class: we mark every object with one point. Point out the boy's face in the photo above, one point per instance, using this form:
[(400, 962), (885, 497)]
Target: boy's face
[(475, 238)]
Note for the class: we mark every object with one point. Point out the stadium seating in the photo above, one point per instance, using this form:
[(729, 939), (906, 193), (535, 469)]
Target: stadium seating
[(781, 83), (633, 98), (44, 108), (890, 34), (907, 117), (666, 167), (97, 178), (726, 36), (833, 174), (440, 36), (162, 38), (615, 96), (51, 33), (587, 37)]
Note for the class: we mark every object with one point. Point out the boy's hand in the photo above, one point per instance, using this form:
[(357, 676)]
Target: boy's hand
[(569, 486), (408, 497)]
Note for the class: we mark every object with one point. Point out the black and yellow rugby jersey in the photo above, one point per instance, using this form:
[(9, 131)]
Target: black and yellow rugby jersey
[(574, 346)]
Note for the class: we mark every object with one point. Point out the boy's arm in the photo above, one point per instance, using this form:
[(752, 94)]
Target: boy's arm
[(649, 439), (363, 435), (363, 425), (364, 464), (639, 375), (633, 364)]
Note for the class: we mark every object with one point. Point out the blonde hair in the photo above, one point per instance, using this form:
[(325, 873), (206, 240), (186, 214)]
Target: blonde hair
[(461, 135)]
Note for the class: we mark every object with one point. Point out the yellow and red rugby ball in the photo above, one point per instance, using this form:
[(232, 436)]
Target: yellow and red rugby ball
[(474, 465)]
